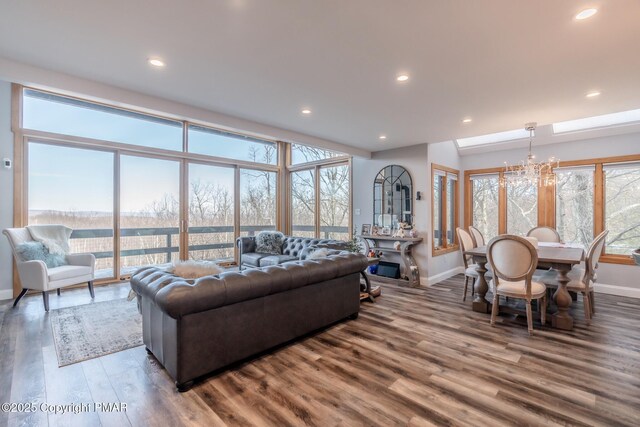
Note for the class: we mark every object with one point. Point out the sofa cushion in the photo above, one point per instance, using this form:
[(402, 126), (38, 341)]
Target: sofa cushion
[(253, 258), (269, 242), (276, 259)]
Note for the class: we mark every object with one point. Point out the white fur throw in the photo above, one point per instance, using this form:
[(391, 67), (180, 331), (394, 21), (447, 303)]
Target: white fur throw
[(269, 242), (195, 269), (319, 253)]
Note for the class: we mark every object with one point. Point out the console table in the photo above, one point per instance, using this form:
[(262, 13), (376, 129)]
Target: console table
[(409, 270)]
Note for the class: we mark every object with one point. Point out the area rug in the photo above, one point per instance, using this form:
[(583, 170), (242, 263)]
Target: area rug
[(93, 330)]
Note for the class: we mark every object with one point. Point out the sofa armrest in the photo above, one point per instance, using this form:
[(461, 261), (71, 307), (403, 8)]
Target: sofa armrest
[(87, 260), (33, 275), (245, 245)]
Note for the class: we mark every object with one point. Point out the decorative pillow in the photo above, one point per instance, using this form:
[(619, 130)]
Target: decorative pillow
[(195, 269), (30, 251), (319, 253), (269, 242)]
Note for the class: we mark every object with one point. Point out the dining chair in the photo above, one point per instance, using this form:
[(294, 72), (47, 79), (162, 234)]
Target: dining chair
[(478, 238), (583, 280), (513, 260), (470, 272), (545, 234)]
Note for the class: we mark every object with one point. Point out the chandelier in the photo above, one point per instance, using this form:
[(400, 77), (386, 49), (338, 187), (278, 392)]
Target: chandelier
[(530, 172)]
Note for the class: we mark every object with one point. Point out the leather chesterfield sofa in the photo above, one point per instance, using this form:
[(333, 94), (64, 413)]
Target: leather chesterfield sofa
[(294, 248), (194, 329)]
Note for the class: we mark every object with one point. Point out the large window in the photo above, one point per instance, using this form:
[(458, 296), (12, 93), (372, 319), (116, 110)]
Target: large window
[(43, 111), (140, 189), (574, 204), (444, 210), (589, 196), (622, 207), (485, 208), (522, 207)]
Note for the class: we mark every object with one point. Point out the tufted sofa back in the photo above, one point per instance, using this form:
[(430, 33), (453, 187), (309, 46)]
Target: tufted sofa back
[(293, 246)]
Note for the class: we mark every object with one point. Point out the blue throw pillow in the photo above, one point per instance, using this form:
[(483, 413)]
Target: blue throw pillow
[(30, 251)]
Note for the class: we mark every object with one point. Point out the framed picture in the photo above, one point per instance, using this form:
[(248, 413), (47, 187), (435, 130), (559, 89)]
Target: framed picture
[(366, 228), (374, 230), (386, 231)]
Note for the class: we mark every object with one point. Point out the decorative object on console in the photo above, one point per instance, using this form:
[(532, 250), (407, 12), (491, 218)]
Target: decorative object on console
[(385, 231), (269, 242), (389, 269), (530, 172), (396, 245), (195, 269), (366, 229), (413, 233)]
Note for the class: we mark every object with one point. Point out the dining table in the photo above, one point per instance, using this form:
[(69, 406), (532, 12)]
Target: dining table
[(556, 256)]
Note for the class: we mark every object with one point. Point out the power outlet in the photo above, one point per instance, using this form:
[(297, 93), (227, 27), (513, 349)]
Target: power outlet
[(356, 211)]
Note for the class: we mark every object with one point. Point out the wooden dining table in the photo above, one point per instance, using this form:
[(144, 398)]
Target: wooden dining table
[(557, 256)]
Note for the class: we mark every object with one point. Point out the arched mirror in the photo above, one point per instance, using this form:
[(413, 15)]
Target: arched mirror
[(392, 197)]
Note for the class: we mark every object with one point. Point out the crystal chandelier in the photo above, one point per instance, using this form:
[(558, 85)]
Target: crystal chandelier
[(530, 172)]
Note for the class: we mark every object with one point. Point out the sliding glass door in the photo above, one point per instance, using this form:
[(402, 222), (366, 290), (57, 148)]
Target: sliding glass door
[(149, 212), (75, 187), (211, 212)]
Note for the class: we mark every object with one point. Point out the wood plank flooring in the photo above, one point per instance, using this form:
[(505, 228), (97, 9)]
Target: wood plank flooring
[(417, 357)]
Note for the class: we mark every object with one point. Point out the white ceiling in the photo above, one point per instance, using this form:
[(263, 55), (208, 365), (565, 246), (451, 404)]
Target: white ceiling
[(502, 62)]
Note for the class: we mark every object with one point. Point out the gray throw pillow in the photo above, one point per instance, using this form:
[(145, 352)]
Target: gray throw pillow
[(269, 242), (30, 251)]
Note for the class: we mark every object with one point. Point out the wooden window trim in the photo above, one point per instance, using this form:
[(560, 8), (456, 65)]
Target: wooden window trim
[(444, 211), (547, 196)]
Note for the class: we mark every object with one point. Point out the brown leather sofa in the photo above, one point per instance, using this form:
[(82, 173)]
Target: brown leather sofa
[(195, 329)]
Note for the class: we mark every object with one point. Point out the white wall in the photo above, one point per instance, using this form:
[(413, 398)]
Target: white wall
[(417, 160), (614, 275), (6, 191)]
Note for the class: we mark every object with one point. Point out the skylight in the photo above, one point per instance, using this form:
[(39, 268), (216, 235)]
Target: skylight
[(621, 118), (492, 138)]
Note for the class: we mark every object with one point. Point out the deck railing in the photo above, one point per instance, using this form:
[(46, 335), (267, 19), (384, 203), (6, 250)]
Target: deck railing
[(169, 232)]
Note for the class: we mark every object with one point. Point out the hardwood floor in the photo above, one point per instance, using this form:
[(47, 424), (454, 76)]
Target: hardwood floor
[(416, 357)]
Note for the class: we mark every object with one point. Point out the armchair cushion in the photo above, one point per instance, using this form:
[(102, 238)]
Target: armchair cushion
[(68, 272), (30, 251)]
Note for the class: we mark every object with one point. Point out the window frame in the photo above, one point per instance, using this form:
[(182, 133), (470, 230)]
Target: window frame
[(446, 247), (547, 199)]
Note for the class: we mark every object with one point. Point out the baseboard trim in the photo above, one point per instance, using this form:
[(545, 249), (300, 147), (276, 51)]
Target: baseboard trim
[(622, 291), (432, 280), (6, 294)]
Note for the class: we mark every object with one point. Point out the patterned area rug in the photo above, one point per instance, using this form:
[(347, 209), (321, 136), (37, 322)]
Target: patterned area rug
[(93, 330)]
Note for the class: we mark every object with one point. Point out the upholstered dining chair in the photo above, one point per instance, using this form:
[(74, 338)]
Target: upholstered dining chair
[(513, 260), (582, 280), (545, 234), (35, 274), (470, 272), (477, 236)]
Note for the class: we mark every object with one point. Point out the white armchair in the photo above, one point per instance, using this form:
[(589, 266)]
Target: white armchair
[(35, 275)]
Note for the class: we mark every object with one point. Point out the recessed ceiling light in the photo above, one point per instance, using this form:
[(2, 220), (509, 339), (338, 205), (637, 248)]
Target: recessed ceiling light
[(402, 78), (593, 94), (306, 111), (467, 120), (585, 14), (383, 137), (156, 62)]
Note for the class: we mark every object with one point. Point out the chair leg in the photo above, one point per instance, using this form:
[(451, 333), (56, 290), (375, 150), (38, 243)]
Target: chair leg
[(592, 302), (529, 318), (22, 292), (58, 291), (543, 311), (466, 283), (587, 306), (495, 308), (90, 283), (45, 300)]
